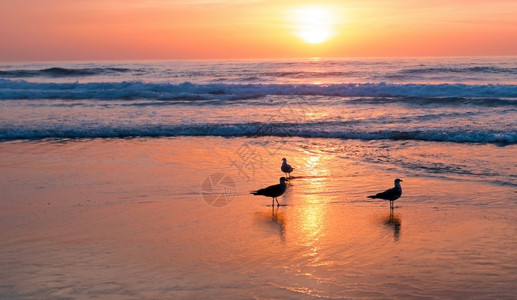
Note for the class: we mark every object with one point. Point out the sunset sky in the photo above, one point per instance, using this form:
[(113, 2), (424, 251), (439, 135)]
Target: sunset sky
[(35, 30)]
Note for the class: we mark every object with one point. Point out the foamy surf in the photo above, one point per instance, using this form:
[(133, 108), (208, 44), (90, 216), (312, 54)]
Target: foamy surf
[(257, 129)]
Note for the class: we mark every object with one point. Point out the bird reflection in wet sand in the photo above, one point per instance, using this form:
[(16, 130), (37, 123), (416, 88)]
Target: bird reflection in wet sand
[(273, 191), (393, 221), (276, 220), (390, 194)]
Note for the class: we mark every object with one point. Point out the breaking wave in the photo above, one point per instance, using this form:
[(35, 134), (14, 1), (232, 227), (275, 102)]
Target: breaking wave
[(255, 129), (56, 72), (467, 70), (19, 89)]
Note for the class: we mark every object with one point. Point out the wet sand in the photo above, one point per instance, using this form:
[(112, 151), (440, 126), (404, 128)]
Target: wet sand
[(127, 218)]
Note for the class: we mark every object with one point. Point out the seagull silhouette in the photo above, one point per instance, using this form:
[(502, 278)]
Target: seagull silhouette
[(391, 194), (286, 168), (273, 191)]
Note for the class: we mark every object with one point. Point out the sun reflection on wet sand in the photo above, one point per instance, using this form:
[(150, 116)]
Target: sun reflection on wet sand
[(314, 165)]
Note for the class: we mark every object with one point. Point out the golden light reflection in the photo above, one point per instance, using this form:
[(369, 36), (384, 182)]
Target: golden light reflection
[(311, 223), (316, 116), (315, 168), (311, 218)]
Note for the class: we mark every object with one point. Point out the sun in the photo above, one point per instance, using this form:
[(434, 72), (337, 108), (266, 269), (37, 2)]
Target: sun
[(313, 24)]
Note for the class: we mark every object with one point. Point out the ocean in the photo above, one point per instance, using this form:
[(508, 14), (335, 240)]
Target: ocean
[(461, 100), (104, 169)]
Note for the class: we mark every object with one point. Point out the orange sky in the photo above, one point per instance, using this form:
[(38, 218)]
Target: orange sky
[(32, 30)]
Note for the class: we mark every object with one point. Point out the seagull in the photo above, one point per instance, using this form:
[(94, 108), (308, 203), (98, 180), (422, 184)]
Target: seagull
[(286, 168), (391, 194), (273, 191)]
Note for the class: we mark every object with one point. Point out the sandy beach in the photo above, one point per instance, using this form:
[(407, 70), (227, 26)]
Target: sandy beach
[(127, 219)]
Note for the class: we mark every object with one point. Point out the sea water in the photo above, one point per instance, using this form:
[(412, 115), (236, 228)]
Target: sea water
[(463, 100)]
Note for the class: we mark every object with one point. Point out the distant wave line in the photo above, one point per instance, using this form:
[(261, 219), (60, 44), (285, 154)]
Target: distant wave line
[(57, 72), (476, 69)]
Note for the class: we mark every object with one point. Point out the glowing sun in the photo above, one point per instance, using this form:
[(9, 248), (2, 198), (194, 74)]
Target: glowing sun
[(313, 24)]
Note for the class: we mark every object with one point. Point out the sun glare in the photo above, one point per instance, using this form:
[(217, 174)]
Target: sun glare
[(313, 24)]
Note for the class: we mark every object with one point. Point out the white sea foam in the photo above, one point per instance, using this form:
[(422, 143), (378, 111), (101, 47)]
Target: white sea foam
[(310, 130)]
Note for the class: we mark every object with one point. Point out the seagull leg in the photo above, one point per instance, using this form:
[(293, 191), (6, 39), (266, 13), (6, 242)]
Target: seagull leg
[(277, 202)]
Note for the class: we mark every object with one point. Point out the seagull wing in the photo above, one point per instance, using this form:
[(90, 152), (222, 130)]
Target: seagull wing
[(287, 168), (390, 194), (271, 191)]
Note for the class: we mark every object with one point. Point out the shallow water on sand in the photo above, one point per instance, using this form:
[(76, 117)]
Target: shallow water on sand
[(127, 218)]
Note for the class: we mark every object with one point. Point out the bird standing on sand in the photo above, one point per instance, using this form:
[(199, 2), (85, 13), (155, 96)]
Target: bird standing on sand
[(273, 191), (286, 168), (391, 194)]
